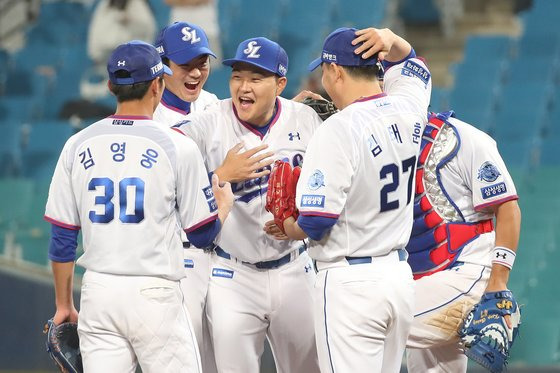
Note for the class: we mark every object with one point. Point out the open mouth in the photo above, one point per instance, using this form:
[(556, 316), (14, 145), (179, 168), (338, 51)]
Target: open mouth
[(191, 86), (246, 102)]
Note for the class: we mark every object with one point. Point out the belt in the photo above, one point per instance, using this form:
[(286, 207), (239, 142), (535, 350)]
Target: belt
[(400, 254), (269, 264), (352, 260)]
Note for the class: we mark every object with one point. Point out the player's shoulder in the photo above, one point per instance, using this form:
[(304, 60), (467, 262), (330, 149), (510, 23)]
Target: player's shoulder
[(297, 109), (470, 134)]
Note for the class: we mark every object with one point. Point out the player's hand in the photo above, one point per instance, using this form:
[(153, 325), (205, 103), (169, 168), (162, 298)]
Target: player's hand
[(272, 229), (374, 41), (247, 165), (305, 94), (65, 315), (223, 196)]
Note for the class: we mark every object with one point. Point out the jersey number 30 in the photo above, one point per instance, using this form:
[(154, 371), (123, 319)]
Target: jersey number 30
[(408, 165), (105, 200)]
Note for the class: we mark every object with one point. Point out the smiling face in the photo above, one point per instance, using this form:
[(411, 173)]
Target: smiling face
[(253, 92), (189, 78)]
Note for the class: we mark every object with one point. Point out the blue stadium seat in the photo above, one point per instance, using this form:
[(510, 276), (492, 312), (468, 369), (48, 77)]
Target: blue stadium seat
[(10, 150), (15, 198), (481, 49), (218, 82), (42, 148), (419, 11)]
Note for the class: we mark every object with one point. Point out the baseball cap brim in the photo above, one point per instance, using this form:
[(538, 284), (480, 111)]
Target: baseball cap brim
[(185, 56), (315, 64), (233, 61), (167, 70)]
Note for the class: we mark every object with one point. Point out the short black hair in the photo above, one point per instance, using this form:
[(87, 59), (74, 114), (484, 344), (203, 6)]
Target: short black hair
[(165, 61), (129, 92), (370, 72)]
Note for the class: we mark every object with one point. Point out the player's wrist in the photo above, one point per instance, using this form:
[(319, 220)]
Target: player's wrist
[(503, 256)]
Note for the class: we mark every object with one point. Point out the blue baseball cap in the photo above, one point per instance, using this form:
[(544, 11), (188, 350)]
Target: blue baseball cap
[(263, 53), (338, 49), (182, 42), (141, 60)]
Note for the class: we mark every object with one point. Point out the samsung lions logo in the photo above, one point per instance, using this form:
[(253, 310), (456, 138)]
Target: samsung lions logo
[(189, 35), (252, 50), (488, 172), (316, 180)]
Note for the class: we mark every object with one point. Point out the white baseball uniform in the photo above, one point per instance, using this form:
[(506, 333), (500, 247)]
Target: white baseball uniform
[(260, 287), (126, 181), (359, 169), (196, 261), (461, 177)]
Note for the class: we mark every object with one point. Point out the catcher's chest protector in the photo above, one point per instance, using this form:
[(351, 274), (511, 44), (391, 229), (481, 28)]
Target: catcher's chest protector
[(439, 232)]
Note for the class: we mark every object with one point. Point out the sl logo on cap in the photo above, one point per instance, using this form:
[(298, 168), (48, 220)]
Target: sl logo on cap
[(252, 50), (189, 35)]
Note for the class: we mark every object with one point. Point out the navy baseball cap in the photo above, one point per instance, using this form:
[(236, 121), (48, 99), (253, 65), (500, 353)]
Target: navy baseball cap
[(182, 42), (263, 53), (141, 60), (338, 49)]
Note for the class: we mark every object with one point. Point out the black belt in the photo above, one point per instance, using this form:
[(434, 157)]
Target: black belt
[(269, 264)]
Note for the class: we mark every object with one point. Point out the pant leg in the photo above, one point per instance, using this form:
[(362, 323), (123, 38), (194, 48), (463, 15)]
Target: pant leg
[(291, 333), (195, 288), (442, 302), (236, 308), (362, 317)]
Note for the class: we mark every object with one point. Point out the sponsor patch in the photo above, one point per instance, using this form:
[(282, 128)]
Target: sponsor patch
[(189, 263), (316, 180), (208, 192), (221, 272), (493, 190), (309, 200), (212, 205), (488, 172), (413, 69)]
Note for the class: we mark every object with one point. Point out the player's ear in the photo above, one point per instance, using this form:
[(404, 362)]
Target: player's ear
[(280, 84)]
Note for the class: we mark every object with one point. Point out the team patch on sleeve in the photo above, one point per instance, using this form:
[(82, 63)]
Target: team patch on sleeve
[(488, 172), (413, 69), (310, 200), (493, 190), (209, 194), (221, 272), (316, 180)]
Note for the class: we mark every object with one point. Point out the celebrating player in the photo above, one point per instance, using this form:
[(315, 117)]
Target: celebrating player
[(184, 48), (126, 181), (355, 200), (260, 287), (455, 254)]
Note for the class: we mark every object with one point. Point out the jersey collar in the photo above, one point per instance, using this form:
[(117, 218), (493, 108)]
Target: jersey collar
[(268, 126), (137, 117), (368, 98), (171, 101)]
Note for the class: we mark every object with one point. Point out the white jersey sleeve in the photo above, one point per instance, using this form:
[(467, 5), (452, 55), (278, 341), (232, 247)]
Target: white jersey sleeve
[(411, 79), (484, 170)]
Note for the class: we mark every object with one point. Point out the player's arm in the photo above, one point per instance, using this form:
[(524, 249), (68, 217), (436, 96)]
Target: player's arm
[(314, 227), (245, 165), (389, 46), (508, 223), (62, 253)]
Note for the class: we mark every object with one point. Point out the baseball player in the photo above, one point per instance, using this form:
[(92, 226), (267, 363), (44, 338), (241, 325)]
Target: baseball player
[(184, 48), (355, 201), (260, 287), (455, 251), (126, 181)]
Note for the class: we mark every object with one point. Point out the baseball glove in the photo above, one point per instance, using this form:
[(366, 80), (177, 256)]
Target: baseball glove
[(322, 107), (63, 346), (281, 193), (485, 334)]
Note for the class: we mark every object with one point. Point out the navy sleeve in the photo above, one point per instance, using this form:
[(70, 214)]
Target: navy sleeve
[(63, 244), (204, 235), (387, 64), (315, 226)]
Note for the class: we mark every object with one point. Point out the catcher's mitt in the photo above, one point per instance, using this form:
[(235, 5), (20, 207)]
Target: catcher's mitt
[(63, 346), (485, 334), (281, 193), (322, 107)]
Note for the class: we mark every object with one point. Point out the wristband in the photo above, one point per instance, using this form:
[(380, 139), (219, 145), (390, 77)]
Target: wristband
[(503, 256)]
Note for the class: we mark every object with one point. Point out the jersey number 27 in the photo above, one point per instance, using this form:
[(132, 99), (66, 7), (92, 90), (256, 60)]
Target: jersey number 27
[(408, 165)]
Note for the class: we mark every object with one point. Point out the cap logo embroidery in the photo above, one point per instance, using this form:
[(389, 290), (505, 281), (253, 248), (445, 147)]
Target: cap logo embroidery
[(252, 50), (189, 35), (121, 63), (156, 68)]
